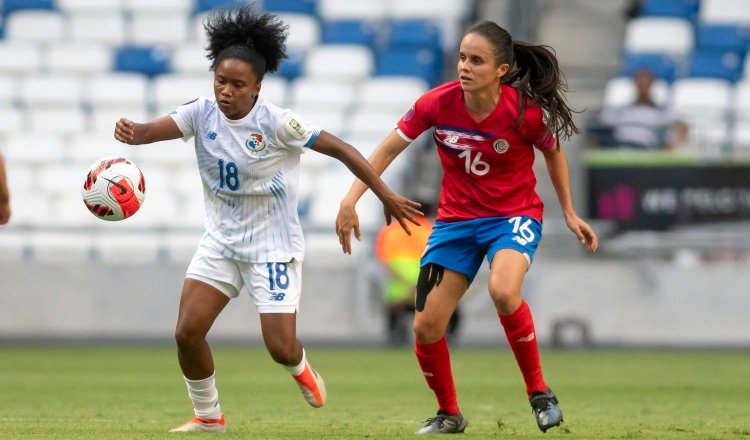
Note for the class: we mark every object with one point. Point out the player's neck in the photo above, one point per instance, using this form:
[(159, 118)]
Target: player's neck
[(481, 103)]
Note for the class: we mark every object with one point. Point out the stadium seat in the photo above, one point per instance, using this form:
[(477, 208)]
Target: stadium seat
[(339, 62), (13, 245), (11, 6), (33, 148), (422, 63), (62, 247), (207, 5), (293, 6), (155, 28), (713, 64), (172, 90), (106, 28), (291, 67), (332, 121), (191, 59), (325, 94), (8, 90), (415, 34), (86, 147), (25, 25), (179, 7), (350, 32), (687, 9), (701, 96), (54, 90), (741, 102), (620, 91), (724, 12), (275, 89), (19, 58), (391, 93), (117, 90), (181, 246), (147, 60), (77, 58), (659, 35), (89, 6), (196, 31), (448, 14), (740, 138), (168, 155), (57, 120), (103, 118), (58, 179), (663, 66), (373, 123), (132, 248), (362, 10), (304, 31), (723, 37), (14, 119)]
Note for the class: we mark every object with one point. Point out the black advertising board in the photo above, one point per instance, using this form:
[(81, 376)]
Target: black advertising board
[(659, 192)]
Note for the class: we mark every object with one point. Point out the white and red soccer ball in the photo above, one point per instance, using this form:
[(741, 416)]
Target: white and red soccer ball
[(114, 188)]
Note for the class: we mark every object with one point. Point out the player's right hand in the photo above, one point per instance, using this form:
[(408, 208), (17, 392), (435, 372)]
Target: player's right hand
[(125, 131)]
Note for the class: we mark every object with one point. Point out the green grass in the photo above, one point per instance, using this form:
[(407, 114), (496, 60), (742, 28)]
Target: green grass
[(71, 392)]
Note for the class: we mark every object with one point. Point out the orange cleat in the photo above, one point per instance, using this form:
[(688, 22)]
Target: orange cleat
[(312, 386), (198, 424)]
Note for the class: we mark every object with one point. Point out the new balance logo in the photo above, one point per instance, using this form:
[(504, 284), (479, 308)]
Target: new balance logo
[(527, 338), (427, 374)]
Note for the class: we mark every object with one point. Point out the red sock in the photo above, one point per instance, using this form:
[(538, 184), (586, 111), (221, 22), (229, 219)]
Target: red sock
[(435, 362), (519, 329)]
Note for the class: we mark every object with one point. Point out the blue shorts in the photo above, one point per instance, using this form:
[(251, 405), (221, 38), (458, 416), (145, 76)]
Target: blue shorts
[(461, 246)]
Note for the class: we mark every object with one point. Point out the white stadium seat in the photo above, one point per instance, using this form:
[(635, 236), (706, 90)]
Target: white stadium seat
[(34, 148), (275, 89), (158, 28), (8, 90), (89, 6), (161, 6), (61, 247), (734, 12), (701, 96), (57, 120), (54, 90), (19, 57), (332, 121), (77, 58), (38, 26), (117, 90), (339, 62), (85, 148), (106, 28), (391, 93), (372, 10), (103, 119), (741, 101), (366, 122), (14, 119), (659, 35), (322, 93), (621, 91), (172, 90), (191, 59), (304, 31)]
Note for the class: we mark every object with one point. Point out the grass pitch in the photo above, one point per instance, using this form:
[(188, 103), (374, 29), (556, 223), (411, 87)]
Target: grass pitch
[(75, 392)]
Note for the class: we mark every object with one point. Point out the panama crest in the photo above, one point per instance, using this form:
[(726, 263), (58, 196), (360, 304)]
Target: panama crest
[(255, 142)]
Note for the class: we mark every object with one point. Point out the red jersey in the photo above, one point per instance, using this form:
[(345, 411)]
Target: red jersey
[(487, 165)]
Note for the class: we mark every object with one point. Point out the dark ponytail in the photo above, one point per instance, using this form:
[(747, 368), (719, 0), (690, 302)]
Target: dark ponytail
[(535, 74), (241, 33)]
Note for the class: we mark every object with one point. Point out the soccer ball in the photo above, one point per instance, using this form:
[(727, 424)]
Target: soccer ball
[(114, 188)]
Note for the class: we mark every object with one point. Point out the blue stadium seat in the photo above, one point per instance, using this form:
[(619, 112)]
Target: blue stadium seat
[(414, 34), (423, 63), (15, 5), (296, 6), (207, 5), (671, 8), (350, 32), (148, 60), (723, 37), (663, 66), (713, 64), (291, 67)]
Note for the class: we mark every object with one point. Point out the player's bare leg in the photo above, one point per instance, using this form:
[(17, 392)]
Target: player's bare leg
[(279, 335), (200, 304)]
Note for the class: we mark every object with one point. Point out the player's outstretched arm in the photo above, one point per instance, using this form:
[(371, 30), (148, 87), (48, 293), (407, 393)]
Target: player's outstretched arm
[(132, 133), (395, 206), (557, 165), (4, 195)]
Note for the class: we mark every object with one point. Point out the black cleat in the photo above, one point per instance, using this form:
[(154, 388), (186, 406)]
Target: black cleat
[(444, 424), (545, 409)]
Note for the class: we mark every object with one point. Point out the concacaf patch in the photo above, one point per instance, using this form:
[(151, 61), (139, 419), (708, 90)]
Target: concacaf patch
[(255, 142), (297, 128), (501, 146)]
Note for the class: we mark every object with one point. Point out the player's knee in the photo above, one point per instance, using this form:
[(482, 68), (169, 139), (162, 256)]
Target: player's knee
[(503, 294), (427, 330), (188, 336)]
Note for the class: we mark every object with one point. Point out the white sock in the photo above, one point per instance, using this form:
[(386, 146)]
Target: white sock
[(296, 370), (205, 397)]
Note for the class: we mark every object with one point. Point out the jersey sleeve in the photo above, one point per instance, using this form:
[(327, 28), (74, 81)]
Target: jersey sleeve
[(186, 117), (536, 131), (296, 133), (417, 120)]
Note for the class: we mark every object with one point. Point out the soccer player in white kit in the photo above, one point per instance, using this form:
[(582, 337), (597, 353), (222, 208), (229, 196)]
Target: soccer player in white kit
[(248, 152)]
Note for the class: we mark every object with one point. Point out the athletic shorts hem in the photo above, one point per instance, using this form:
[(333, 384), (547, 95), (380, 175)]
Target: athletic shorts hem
[(225, 288)]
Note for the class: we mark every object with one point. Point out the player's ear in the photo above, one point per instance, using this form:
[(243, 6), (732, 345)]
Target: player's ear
[(502, 70)]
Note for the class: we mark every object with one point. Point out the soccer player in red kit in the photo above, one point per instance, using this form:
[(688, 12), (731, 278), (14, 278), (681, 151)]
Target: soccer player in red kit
[(507, 101)]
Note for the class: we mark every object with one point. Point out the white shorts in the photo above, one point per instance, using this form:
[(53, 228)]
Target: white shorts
[(273, 287)]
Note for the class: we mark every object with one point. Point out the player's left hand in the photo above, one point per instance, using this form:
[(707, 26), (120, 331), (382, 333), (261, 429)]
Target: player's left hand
[(584, 232), (402, 209)]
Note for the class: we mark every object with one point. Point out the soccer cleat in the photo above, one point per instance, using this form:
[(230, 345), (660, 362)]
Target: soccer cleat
[(545, 409), (198, 424), (444, 424), (312, 386)]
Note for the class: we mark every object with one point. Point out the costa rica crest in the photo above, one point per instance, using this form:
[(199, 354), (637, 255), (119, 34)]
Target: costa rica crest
[(501, 146), (255, 142)]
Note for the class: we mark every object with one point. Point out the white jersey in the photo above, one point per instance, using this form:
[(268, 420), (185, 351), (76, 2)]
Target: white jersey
[(250, 173)]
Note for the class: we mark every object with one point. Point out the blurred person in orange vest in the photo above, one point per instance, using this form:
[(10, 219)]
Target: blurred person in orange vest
[(400, 253)]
